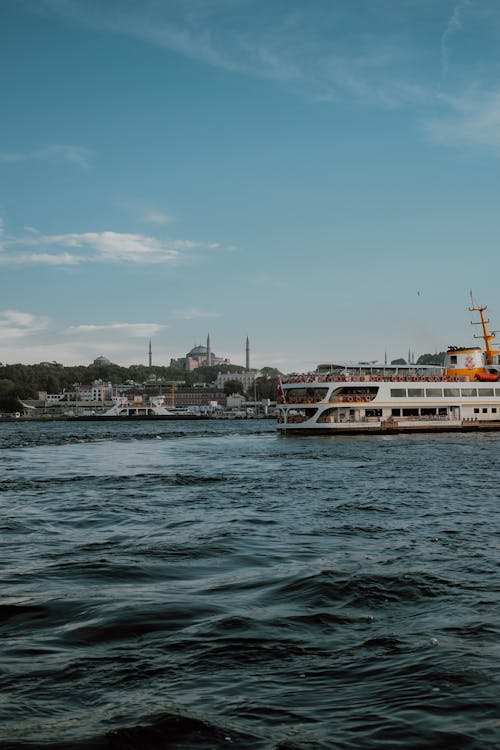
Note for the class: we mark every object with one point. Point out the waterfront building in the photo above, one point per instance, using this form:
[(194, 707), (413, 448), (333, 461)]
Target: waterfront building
[(247, 378)]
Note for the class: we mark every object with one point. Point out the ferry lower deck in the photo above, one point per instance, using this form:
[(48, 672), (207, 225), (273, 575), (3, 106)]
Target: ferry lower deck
[(371, 404)]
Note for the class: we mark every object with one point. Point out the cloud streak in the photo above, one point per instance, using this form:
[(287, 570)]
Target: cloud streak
[(191, 313), (77, 155), (15, 324), (73, 249), (157, 217), (379, 59), (305, 49), (454, 25), (475, 120), (129, 329)]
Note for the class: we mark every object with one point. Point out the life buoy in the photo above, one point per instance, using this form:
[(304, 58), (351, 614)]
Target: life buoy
[(358, 398), (349, 398)]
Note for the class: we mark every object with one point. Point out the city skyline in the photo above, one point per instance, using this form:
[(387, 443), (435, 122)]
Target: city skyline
[(320, 177)]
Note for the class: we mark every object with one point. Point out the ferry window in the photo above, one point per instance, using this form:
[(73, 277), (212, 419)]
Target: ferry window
[(410, 412), (469, 391), (434, 392), (398, 392), (453, 359), (476, 411), (427, 411), (304, 395), (396, 412), (485, 391), (329, 415), (494, 411), (354, 393), (485, 411), (373, 412), (300, 415), (497, 391), (415, 392), (451, 391)]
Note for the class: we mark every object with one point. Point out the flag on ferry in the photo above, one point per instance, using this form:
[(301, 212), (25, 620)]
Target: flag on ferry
[(279, 390)]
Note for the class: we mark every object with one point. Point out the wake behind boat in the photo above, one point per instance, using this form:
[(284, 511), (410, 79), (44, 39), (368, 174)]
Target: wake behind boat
[(365, 398)]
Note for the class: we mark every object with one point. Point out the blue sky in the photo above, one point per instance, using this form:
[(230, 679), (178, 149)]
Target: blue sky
[(321, 176)]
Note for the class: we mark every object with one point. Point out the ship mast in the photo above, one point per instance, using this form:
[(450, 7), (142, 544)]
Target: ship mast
[(486, 335)]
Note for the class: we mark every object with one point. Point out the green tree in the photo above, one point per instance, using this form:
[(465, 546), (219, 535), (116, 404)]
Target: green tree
[(52, 384), (9, 401), (431, 359), (233, 386), (267, 388)]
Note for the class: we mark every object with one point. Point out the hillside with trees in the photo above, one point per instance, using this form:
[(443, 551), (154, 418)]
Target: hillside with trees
[(25, 381)]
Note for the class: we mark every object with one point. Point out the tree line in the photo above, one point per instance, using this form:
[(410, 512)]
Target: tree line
[(20, 381)]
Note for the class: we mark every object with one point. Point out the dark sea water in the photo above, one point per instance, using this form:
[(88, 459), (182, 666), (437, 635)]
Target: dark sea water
[(214, 585)]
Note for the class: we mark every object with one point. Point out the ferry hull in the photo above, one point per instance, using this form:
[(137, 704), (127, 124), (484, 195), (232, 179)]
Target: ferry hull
[(390, 429)]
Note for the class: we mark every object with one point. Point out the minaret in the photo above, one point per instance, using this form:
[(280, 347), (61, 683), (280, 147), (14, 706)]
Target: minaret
[(150, 354), (248, 354), (209, 352)]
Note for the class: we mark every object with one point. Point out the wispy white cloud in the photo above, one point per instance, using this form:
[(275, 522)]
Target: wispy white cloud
[(306, 49), (71, 249), (39, 259), (157, 217), (379, 58), (453, 27), (128, 329), (190, 313), (474, 119), (74, 154), (15, 324)]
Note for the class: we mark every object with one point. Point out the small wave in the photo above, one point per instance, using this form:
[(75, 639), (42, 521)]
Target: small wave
[(169, 731), (329, 587), (43, 483)]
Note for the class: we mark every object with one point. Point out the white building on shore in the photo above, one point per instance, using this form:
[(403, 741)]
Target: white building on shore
[(247, 378)]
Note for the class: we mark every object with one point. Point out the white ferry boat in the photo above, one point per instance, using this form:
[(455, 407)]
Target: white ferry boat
[(138, 407), (364, 398)]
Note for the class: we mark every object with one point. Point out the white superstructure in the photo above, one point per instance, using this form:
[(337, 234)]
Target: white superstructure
[(364, 398)]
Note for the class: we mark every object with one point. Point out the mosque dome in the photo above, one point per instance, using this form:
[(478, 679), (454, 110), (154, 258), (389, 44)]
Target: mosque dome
[(102, 360), (197, 351)]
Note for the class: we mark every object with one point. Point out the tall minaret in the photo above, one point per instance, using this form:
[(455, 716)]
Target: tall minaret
[(150, 354), (209, 352), (247, 354)]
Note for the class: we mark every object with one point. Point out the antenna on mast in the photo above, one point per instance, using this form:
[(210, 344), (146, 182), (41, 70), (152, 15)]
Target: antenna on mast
[(486, 335)]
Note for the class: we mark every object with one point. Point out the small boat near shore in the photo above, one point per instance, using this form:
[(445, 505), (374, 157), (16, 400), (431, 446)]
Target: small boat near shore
[(371, 398), (138, 408)]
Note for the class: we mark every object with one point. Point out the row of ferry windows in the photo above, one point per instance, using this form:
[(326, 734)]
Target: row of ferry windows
[(439, 392)]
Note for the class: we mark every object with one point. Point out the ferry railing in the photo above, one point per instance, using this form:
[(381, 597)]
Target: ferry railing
[(308, 380)]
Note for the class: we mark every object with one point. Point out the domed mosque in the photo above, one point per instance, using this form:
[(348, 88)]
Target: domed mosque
[(102, 360), (198, 356)]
